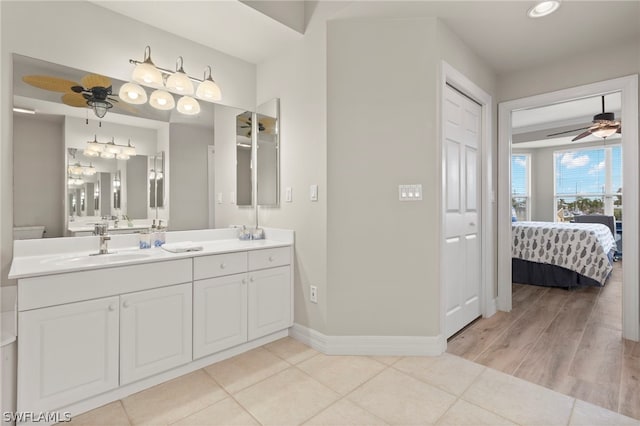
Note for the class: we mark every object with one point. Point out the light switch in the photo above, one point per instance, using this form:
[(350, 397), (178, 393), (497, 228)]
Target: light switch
[(288, 197), (232, 197), (313, 192), (410, 192), (219, 198)]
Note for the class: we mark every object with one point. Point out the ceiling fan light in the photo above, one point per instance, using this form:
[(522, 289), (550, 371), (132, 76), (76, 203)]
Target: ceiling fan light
[(543, 8), (99, 107), (162, 100), (188, 106), (605, 132), (132, 93)]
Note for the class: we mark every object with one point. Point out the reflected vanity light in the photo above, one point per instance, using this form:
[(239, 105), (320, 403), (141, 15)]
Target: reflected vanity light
[(162, 100), (188, 106), (109, 149), (133, 94)]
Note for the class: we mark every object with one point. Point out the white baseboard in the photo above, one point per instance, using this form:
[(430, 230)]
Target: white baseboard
[(369, 345)]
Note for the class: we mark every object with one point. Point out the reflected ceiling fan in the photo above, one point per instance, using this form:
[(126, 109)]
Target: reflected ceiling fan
[(604, 125), (94, 91)]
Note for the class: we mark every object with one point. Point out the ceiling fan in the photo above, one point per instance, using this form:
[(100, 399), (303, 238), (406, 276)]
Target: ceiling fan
[(604, 125), (94, 91)]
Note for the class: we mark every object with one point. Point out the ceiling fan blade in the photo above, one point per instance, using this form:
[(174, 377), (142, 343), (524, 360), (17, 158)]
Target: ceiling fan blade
[(582, 135), (47, 82), (568, 131), (74, 99), (95, 80)]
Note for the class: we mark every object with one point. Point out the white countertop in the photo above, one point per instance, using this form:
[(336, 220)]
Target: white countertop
[(41, 257)]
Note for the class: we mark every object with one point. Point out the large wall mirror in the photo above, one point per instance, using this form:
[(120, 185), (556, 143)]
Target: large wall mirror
[(60, 184)]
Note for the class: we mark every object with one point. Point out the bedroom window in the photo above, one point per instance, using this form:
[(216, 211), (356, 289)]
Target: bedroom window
[(588, 181), (520, 187)]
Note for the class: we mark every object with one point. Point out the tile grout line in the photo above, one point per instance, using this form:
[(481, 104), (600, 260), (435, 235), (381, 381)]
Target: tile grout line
[(341, 397), (573, 409), (125, 412)]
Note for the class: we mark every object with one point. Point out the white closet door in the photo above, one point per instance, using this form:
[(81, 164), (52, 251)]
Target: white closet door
[(462, 254)]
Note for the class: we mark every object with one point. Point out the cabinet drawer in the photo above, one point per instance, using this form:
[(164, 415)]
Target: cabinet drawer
[(218, 265), (269, 258)]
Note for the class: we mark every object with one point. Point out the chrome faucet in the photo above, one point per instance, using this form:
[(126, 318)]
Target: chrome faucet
[(100, 229)]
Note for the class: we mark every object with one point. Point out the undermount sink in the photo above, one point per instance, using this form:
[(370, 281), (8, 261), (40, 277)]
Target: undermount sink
[(101, 259)]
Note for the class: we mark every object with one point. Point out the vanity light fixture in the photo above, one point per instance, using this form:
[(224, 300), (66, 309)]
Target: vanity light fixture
[(208, 90), (146, 72), (109, 150), (79, 169), (188, 106), (162, 100), (543, 8), (132, 93), (177, 82)]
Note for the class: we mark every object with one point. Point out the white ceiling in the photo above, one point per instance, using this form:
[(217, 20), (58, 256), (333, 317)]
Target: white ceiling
[(498, 31)]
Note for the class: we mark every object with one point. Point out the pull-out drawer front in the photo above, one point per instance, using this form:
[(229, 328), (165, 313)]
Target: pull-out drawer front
[(49, 290), (269, 258), (218, 265)]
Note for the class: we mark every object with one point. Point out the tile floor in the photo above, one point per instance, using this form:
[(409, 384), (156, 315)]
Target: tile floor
[(288, 383)]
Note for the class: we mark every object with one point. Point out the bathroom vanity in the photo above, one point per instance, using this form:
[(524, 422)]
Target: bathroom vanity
[(93, 329)]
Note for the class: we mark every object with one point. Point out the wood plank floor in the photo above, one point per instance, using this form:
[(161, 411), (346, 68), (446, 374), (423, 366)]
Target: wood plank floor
[(568, 341)]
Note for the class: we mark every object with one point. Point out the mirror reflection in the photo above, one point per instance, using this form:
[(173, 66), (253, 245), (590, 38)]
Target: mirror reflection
[(268, 158), (244, 160)]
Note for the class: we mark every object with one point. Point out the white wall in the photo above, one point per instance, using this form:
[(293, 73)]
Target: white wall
[(33, 29), (39, 173), (299, 78)]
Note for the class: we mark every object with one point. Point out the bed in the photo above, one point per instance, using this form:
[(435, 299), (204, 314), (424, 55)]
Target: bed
[(567, 255)]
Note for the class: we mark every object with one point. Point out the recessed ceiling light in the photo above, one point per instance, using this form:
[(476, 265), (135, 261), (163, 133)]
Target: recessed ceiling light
[(24, 110), (543, 8)]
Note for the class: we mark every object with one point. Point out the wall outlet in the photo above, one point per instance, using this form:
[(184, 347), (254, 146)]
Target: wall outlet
[(313, 294)]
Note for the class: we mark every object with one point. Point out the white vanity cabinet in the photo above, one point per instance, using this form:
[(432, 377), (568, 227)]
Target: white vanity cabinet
[(89, 336), (155, 331), (66, 353), (240, 297)]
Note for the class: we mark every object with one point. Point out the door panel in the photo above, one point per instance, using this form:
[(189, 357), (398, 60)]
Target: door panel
[(462, 213)]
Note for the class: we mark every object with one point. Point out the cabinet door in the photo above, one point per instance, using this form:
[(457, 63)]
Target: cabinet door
[(67, 353), (219, 314), (155, 331), (269, 301)]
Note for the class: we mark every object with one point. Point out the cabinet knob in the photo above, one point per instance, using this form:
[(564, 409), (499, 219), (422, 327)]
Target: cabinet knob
[(125, 304), (250, 279), (222, 266), (112, 307), (271, 258)]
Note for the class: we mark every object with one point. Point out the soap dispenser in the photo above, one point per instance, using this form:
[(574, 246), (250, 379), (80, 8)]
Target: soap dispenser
[(161, 234)]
